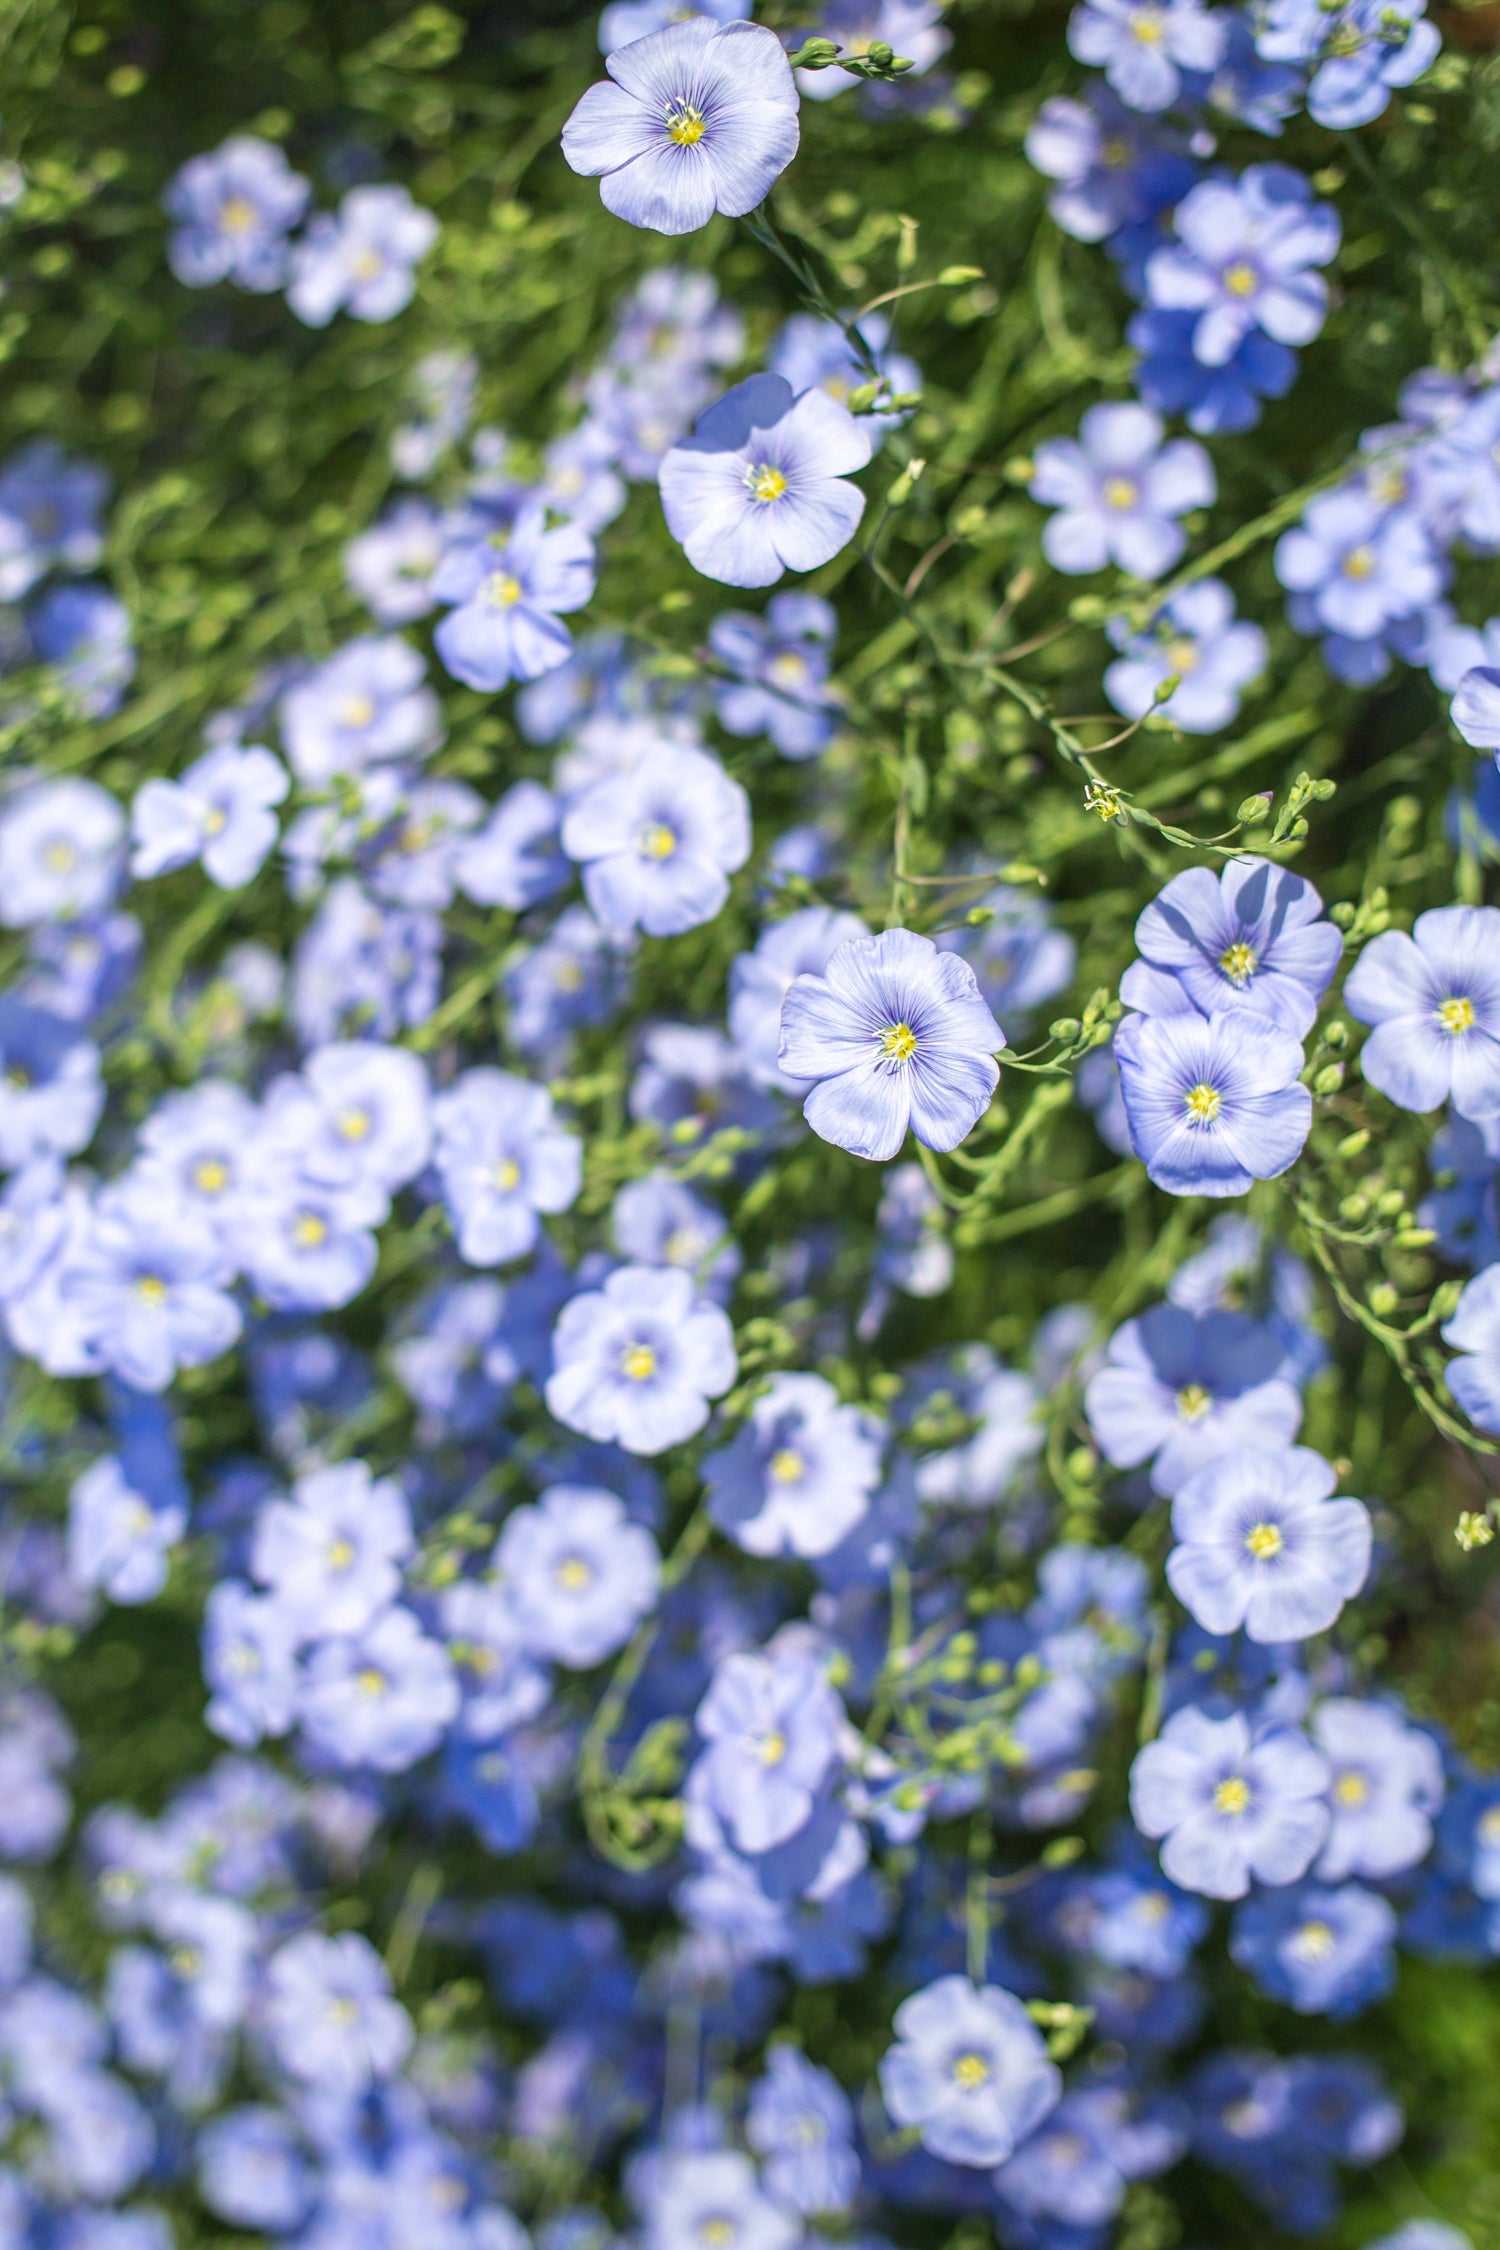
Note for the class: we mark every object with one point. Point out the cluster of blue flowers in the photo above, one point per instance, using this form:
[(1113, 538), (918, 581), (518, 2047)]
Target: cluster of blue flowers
[(571, 1526)]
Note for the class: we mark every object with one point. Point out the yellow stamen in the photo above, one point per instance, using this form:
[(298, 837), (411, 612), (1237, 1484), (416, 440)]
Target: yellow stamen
[(1239, 962), (1232, 1795), (772, 1748), (1313, 1942), (1350, 1789), (1263, 1541), (340, 1554), (309, 1231), (898, 1042), (684, 125), (1193, 1402), (358, 711), (1241, 279), (573, 1574), (1147, 28), (971, 2072), (60, 856), (766, 482), (369, 1681), (354, 1124), (639, 1363), (152, 1289), (656, 840), (1456, 1016), (237, 215), (500, 590), (786, 1466), (1120, 492), (507, 1175), (1202, 1103), (1359, 563), (211, 1177)]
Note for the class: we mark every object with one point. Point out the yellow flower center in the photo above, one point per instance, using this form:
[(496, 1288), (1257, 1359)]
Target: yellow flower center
[(971, 2071), (1456, 1016), (1350, 1789), (369, 1681), (1263, 1541), (1193, 1402), (507, 1174), (358, 711), (639, 1363), (151, 1289), (898, 1042), (568, 977), (1232, 1795), (1202, 1103), (211, 1177), (766, 482), (1147, 27), (684, 124), (60, 856), (354, 1124), (656, 840), (1241, 279), (1239, 962), (786, 1466), (215, 821), (1359, 562), (237, 216), (186, 1960), (573, 1574), (500, 590), (309, 1232), (788, 670), (718, 2234), (367, 265), (1120, 492), (1182, 656), (1313, 1942), (1489, 1825), (340, 1554), (772, 1747)]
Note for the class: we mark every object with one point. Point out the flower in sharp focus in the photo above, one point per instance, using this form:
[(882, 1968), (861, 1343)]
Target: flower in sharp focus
[(1434, 1001), (760, 486), (1243, 258), (578, 1575), (638, 1360), (1250, 940), (234, 209), (507, 591), (1180, 1390), (219, 812), (968, 2071), (1212, 1102), (502, 1159), (659, 842), (363, 261), (701, 117), (1261, 1545), (1230, 1803), (1143, 46), (1197, 640), (1118, 491), (798, 1475), (896, 1035)]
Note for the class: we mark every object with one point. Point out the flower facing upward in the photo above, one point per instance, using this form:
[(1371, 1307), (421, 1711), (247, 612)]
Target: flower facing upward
[(1260, 1544), (638, 1360), (509, 589), (1213, 1102), (759, 486), (1434, 999), (1118, 491), (968, 2070), (895, 1034), (701, 117), (1230, 1803), (1251, 939)]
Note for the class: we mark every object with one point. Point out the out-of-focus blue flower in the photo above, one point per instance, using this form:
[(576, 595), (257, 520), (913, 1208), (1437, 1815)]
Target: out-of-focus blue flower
[(60, 851), (1434, 1000), (626, 20), (574, 978), (1260, 1544), (637, 1361), (120, 1540), (362, 262), (896, 1036), (978, 1469), (1243, 87), (364, 966), (515, 860), (149, 1291), (1243, 260), (50, 504), (1230, 1804), (51, 1090), (1476, 708), (783, 662), (914, 28), (367, 705), (1386, 1786), (330, 2014), (580, 479), (502, 1160), (770, 1726), (700, 117), (712, 2198), (1018, 955), (797, 1476), (659, 1221), (85, 631), (1358, 564), (234, 209), (1323, 1952), (1076, 2168), (969, 2072), (577, 1574), (1462, 1208), (759, 982), (219, 813), (249, 1664), (1112, 171), (812, 353), (251, 2171), (331, 1554), (390, 566), (761, 486), (1212, 400), (1212, 1102), (1356, 51), (1197, 640), (383, 1697), (508, 588), (1118, 491), (659, 843), (1474, 1333), (1143, 51), (800, 2123), (1181, 1389)]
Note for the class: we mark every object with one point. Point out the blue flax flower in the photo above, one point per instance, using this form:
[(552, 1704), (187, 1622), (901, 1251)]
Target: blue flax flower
[(761, 485), (1474, 1332), (1197, 640), (1144, 49), (362, 262), (219, 812), (1118, 491), (1077, 2167), (637, 1361), (366, 705), (1358, 564), (968, 2071), (1387, 1785), (1250, 940), (509, 588), (1323, 1952), (382, 1698), (798, 1475), (251, 2170), (658, 843), (701, 117), (502, 1159), (770, 1726), (1230, 1803), (711, 2197), (330, 2015), (782, 661), (1243, 260), (118, 1539), (659, 1221), (1212, 400), (626, 20), (1260, 1544), (1112, 172), (331, 1555), (759, 982), (234, 209), (811, 352), (150, 1288), (1434, 1000), (515, 859), (1212, 1102), (896, 1035), (51, 1090), (1357, 50), (800, 2123), (50, 505), (1476, 708), (1181, 1389), (578, 1575)]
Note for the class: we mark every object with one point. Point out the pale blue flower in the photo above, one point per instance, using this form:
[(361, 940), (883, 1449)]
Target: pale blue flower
[(1212, 1102), (1119, 491), (1143, 50), (1230, 1803), (1179, 1390), (1387, 1784), (1197, 640), (330, 2014), (1434, 1000), (799, 1473), (578, 1576), (1249, 940), (219, 812), (363, 261), (382, 1698), (121, 1540), (761, 485), (331, 1555), (502, 1159), (510, 587), (638, 1360), (234, 209), (1261, 1545), (1323, 1952), (659, 842), (969, 2072)]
